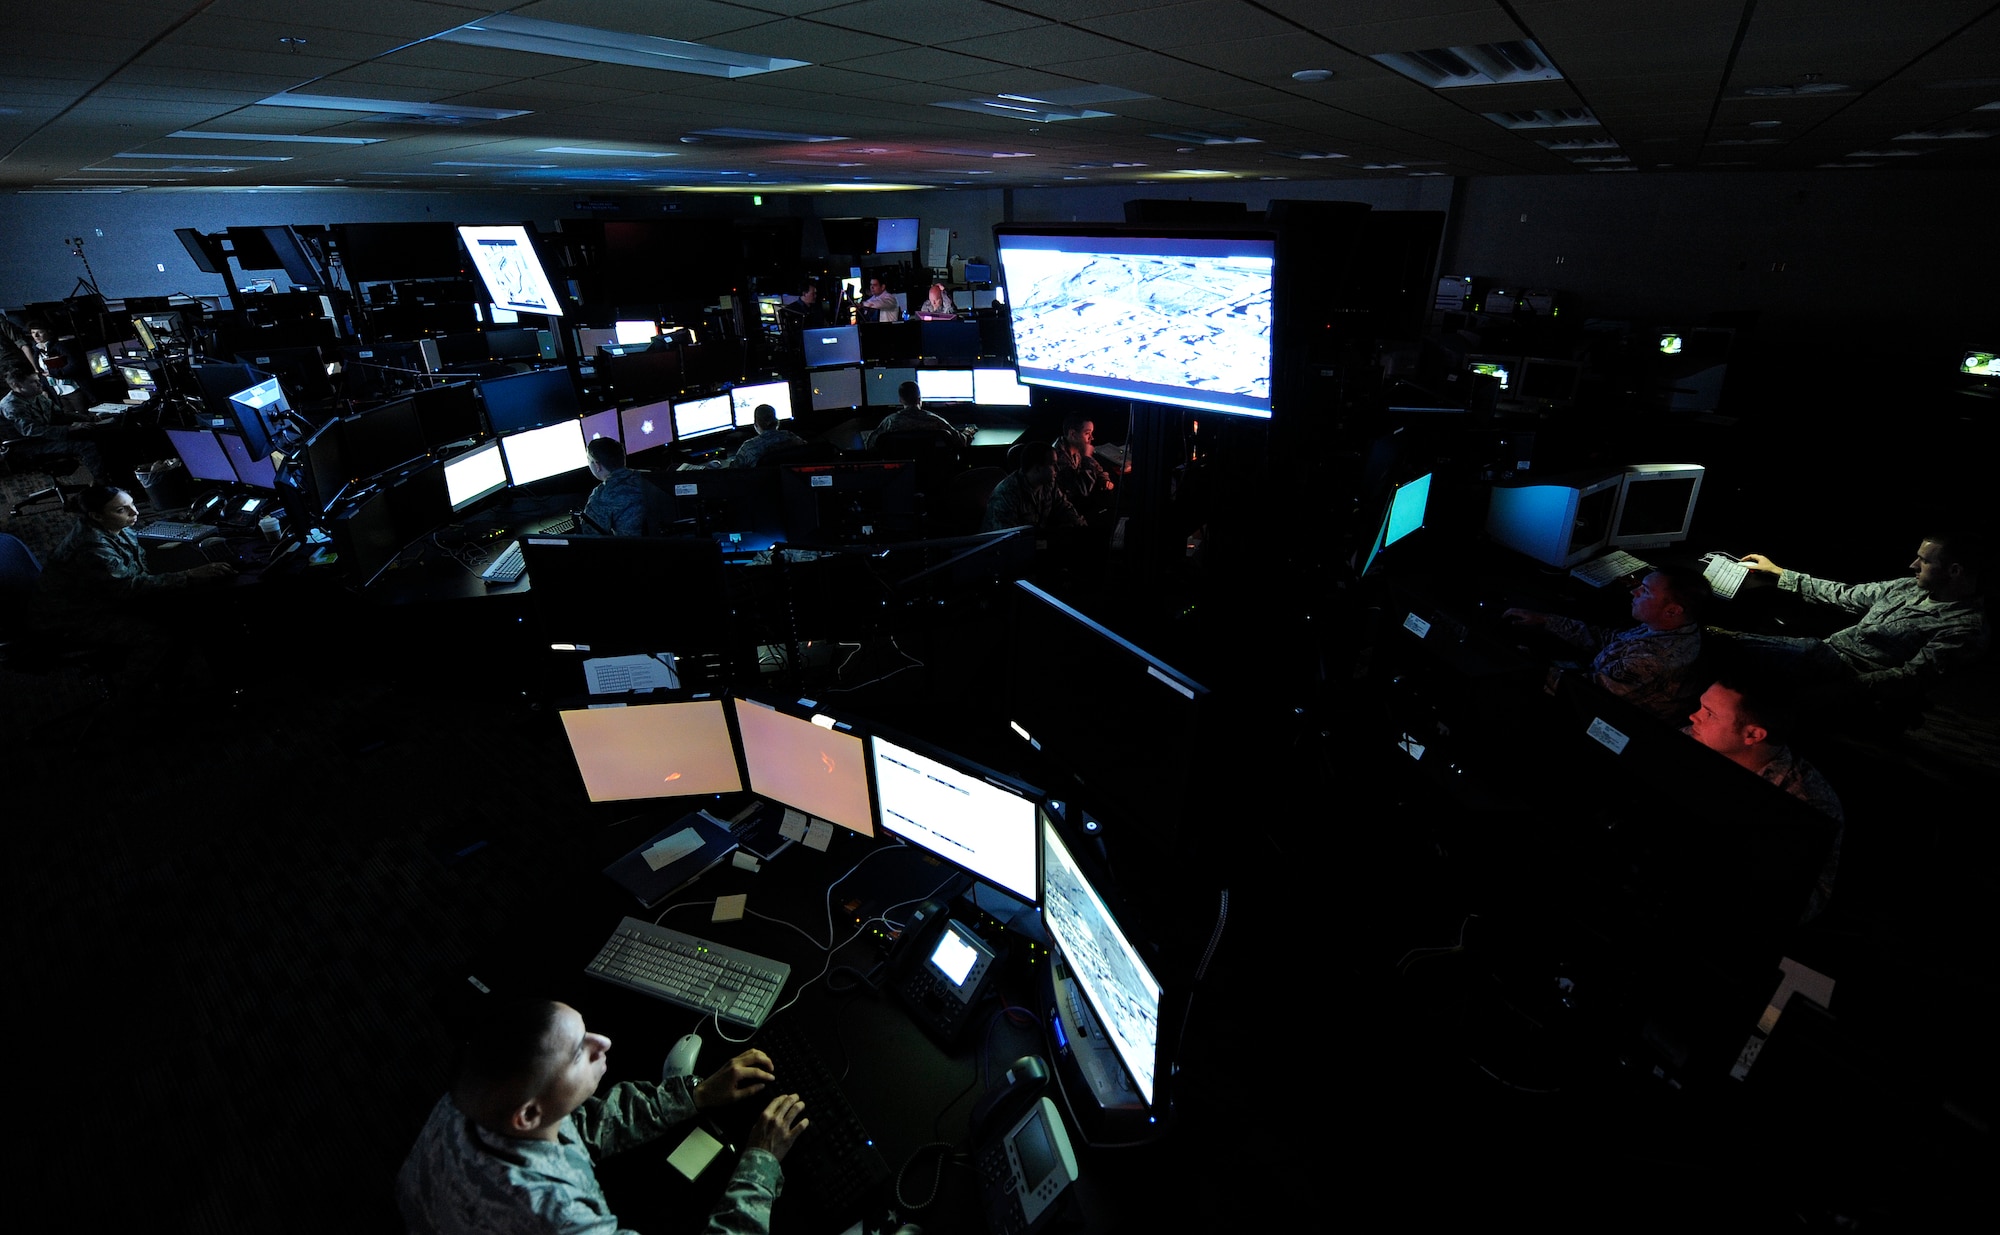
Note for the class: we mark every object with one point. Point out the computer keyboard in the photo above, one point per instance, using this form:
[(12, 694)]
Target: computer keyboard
[(834, 1166), (739, 987), (1610, 568), (1724, 574), (508, 567), (164, 529)]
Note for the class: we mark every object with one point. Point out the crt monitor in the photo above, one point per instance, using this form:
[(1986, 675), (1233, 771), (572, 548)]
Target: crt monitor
[(1182, 318), (1656, 505), (476, 474), (1104, 961), (826, 346), (960, 812), (653, 750), (1404, 514), (695, 417), (744, 400), (506, 260), (530, 400), (202, 454), (945, 385), (810, 764), (1560, 521), (646, 426), (549, 451)]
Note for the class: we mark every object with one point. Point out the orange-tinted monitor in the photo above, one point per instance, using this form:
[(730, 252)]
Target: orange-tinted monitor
[(655, 750), (821, 771)]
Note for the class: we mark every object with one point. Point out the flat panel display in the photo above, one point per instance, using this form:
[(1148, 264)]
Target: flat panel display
[(541, 453), (836, 388), (882, 383), (530, 400), (958, 815), (694, 417), (257, 473), (821, 771), (1183, 320), (895, 235), (744, 399), (601, 424), (646, 425), (505, 258), (831, 345), (945, 385), (635, 332), (1121, 989), (654, 750), (202, 454), (1000, 388), (384, 437), (477, 473)]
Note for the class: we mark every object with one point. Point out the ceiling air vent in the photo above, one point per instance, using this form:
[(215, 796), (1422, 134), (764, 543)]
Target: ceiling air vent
[(1478, 64)]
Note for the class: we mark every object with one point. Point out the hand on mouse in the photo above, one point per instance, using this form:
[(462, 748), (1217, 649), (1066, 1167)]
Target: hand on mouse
[(1763, 565), (779, 1125), (1526, 617), (741, 1077), (212, 570)]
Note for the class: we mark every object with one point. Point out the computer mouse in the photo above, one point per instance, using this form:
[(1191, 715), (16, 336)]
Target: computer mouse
[(680, 1060)]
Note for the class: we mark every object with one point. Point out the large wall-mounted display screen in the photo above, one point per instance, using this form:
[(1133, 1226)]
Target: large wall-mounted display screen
[(505, 258), (1183, 320)]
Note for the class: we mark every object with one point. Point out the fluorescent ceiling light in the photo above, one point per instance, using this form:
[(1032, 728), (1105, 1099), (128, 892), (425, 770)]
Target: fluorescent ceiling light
[(607, 152), (464, 163), (1886, 154), (1543, 118), (390, 107), (1014, 111), (1198, 138), (766, 135), (1940, 135), (138, 171), (1382, 167), (554, 38), (1809, 88), (871, 186), (1577, 143), (208, 136), (1478, 64), (1845, 165), (234, 158), (1307, 154), (1993, 106)]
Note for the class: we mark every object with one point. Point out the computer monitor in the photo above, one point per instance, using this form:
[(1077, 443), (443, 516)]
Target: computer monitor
[(744, 401), (896, 235), (881, 384), (601, 424), (695, 417), (374, 252), (1000, 388), (1501, 368), (834, 389), (447, 413), (501, 317), (646, 426), (945, 385), (255, 472), (820, 769), (1972, 364), (827, 346), (1656, 505), (653, 750), (100, 361), (552, 450), (506, 260), (519, 343), (849, 503), (465, 347), (1558, 521), (1104, 962), (366, 538), (530, 400), (324, 461), (384, 437), (1183, 319), (258, 413), (138, 380), (1671, 343), (478, 473), (961, 812), (641, 594), (635, 331), (978, 272), (302, 369), (1403, 515), (202, 454), (1551, 383), (590, 338)]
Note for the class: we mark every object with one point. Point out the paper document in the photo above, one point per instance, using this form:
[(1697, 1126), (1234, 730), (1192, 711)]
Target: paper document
[(819, 834), (672, 849), (619, 675), (793, 826)]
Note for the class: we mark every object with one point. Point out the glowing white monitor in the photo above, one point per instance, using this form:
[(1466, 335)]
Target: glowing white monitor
[(818, 769), (746, 398), (958, 815), (505, 258), (636, 332), (1000, 388), (474, 475), (945, 385), (504, 317), (548, 451), (1122, 991), (661, 750), (694, 417)]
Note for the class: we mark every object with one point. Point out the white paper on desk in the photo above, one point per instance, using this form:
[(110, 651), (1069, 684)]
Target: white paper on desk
[(672, 849), (793, 825), (819, 834), (618, 675)]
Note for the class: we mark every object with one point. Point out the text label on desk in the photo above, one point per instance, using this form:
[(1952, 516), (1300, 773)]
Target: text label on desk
[(1416, 626), (1609, 738)]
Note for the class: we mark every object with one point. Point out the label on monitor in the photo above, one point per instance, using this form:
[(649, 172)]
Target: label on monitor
[(687, 490), (822, 482), (1607, 737), (1416, 626)]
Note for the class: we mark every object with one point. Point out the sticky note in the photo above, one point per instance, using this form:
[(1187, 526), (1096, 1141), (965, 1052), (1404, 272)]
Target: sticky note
[(819, 834), (672, 849), (745, 861), (729, 908), (793, 825), (694, 1154)]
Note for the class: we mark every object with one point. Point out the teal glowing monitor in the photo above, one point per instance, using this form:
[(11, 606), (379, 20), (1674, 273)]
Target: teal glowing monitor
[(1404, 515)]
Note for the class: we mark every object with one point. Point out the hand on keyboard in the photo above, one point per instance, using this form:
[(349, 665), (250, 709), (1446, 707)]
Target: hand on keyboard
[(779, 1125), (743, 1076), (1526, 617)]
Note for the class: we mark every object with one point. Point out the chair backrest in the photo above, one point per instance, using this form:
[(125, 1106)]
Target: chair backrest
[(19, 569), (963, 506), (811, 452)]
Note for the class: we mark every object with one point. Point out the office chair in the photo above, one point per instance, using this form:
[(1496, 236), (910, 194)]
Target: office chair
[(961, 508), (811, 452), (21, 458), (937, 457)]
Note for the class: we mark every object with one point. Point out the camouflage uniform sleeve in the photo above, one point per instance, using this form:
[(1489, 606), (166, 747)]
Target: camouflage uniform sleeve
[(1847, 597), (93, 563), (1061, 512), (632, 1113), (1578, 634), (745, 1206)]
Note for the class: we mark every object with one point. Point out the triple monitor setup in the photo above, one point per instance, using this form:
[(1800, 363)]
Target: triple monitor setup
[(840, 379), (1102, 1000)]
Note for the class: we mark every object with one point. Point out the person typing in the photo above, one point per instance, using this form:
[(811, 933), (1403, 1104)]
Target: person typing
[(624, 503), (769, 438), (101, 555), (1651, 665)]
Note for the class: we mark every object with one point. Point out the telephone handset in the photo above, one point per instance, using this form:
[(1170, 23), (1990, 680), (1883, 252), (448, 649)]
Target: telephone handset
[(1025, 1168)]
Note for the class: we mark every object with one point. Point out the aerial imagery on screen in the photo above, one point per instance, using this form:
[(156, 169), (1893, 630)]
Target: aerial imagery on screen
[(1190, 327)]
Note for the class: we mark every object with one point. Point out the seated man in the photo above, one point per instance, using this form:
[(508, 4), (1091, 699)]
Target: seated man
[(1742, 723), (769, 438), (1912, 631), (806, 311), (882, 302), (1650, 665), (1029, 497), (512, 1146), (911, 416), (937, 307), (624, 503), (101, 555), (1082, 479), (28, 411)]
